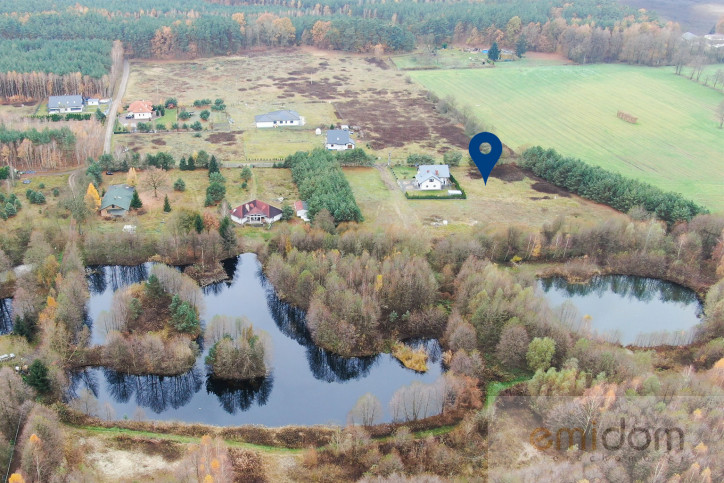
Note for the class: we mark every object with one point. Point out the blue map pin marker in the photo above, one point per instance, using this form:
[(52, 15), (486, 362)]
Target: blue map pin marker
[(485, 162)]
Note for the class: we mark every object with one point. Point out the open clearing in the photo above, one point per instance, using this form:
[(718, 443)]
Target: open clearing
[(326, 88), (676, 145), (510, 198)]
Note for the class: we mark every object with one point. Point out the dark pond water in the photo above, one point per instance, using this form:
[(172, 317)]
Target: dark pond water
[(6, 319), (308, 385), (628, 307)]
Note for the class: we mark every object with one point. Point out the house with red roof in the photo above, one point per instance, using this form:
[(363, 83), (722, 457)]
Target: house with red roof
[(255, 212), (141, 110), (302, 210)]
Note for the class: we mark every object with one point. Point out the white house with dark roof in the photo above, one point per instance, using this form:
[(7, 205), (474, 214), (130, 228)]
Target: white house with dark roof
[(279, 118), (65, 104), (339, 140), (432, 176)]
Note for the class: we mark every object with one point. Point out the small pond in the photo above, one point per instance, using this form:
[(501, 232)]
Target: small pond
[(308, 385), (627, 307)]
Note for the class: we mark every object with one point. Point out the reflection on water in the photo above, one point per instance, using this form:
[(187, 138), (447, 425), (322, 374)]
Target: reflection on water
[(6, 316), (636, 308), (240, 396), (307, 384)]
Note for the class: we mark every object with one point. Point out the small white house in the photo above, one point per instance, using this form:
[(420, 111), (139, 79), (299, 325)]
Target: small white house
[(279, 118), (339, 140), (65, 104), (92, 101), (432, 176), (302, 210), (255, 212), (141, 110)]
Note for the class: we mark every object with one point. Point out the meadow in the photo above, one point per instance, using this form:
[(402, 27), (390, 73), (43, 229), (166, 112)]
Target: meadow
[(509, 198), (676, 143), (392, 113)]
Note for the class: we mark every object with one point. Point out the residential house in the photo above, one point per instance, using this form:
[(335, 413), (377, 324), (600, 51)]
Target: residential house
[(432, 176), (65, 104), (302, 210), (92, 101), (255, 212), (117, 200), (339, 140), (141, 110), (279, 118)]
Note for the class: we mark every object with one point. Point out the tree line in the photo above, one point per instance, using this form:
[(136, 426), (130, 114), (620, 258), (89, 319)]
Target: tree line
[(322, 185), (607, 187)]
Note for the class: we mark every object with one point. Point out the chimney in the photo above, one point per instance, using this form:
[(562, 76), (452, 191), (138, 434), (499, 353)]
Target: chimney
[(436, 173)]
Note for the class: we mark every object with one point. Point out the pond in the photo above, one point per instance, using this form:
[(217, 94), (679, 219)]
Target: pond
[(630, 309), (307, 385)]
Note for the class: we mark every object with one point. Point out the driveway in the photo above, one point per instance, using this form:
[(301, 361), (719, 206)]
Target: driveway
[(114, 108)]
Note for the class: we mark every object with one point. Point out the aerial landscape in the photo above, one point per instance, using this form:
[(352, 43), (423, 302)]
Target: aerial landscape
[(330, 241)]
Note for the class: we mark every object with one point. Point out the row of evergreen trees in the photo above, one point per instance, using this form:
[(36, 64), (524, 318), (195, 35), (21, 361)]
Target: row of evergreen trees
[(607, 187), (322, 184)]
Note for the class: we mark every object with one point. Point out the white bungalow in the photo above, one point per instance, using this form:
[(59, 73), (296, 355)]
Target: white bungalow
[(432, 176), (279, 118), (339, 140)]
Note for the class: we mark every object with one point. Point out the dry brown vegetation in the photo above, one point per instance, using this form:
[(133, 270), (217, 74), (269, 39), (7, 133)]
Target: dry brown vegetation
[(324, 87)]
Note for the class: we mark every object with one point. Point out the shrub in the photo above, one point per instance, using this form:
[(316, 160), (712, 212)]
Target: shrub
[(540, 353), (205, 114), (184, 115), (179, 185), (196, 126), (418, 159)]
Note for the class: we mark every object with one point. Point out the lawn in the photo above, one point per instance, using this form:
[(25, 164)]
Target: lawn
[(502, 202), (676, 144), (267, 185)]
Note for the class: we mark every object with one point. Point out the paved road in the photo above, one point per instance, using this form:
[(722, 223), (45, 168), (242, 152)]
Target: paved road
[(110, 118)]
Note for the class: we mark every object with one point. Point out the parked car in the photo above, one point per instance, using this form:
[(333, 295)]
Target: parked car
[(27, 181), (129, 116), (109, 173)]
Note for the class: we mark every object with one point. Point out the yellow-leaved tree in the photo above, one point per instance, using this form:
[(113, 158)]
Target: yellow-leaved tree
[(132, 178), (92, 198)]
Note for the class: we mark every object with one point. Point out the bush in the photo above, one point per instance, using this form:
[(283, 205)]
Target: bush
[(56, 192), (196, 126), (540, 353), (179, 185), (205, 114), (215, 192), (287, 212), (418, 159), (184, 115)]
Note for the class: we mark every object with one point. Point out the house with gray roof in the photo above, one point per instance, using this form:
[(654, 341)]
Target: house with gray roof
[(279, 118), (432, 176), (339, 140), (64, 104), (117, 200)]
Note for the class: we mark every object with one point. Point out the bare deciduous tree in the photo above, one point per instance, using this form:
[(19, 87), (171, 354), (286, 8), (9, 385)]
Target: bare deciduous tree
[(367, 411), (155, 179)]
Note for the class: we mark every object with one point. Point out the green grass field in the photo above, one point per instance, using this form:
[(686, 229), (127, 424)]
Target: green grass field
[(676, 144)]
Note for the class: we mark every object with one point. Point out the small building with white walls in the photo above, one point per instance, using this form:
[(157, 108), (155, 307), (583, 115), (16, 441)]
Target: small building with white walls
[(432, 176), (339, 140), (279, 118)]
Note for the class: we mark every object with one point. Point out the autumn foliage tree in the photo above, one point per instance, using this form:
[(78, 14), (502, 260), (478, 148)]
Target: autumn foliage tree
[(92, 198)]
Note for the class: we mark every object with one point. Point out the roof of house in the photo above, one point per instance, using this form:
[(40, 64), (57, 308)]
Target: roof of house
[(56, 102), (140, 106), (338, 136), (300, 205), (119, 195), (256, 207), (424, 171), (285, 115), (93, 99), (689, 36)]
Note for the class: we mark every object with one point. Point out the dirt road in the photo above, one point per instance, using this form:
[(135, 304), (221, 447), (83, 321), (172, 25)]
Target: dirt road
[(110, 118)]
